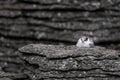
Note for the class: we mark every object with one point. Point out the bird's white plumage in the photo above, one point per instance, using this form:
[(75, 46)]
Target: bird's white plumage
[(85, 42)]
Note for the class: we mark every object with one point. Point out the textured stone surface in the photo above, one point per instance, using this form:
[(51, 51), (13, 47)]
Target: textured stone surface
[(69, 62), (59, 22), (11, 67), (14, 75)]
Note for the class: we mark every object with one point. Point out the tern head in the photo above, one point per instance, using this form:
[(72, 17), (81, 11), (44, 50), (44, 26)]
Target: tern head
[(85, 42)]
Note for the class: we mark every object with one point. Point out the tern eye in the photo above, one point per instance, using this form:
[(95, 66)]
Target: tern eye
[(85, 39)]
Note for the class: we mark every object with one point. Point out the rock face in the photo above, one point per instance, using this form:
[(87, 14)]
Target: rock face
[(53, 62), (25, 21), (11, 67)]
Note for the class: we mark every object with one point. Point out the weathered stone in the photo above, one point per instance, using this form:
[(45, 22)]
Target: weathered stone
[(12, 76), (64, 62), (59, 22), (5, 78)]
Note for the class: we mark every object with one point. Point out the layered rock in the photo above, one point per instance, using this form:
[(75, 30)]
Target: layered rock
[(11, 67), (60, 20), (52, 62)]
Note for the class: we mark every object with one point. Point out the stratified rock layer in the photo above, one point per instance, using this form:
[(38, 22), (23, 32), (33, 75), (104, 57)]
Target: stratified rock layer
[(11, 67), (53, 62), (59, 21)]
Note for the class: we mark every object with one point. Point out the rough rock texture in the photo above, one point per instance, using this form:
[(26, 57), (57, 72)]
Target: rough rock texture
[(59, 21), (53, 62), (11, 67)]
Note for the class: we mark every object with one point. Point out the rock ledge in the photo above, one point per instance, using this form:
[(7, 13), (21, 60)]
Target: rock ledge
[(53, 62)]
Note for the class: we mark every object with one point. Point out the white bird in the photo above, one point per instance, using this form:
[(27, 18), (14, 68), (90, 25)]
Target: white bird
[(85, 42)]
